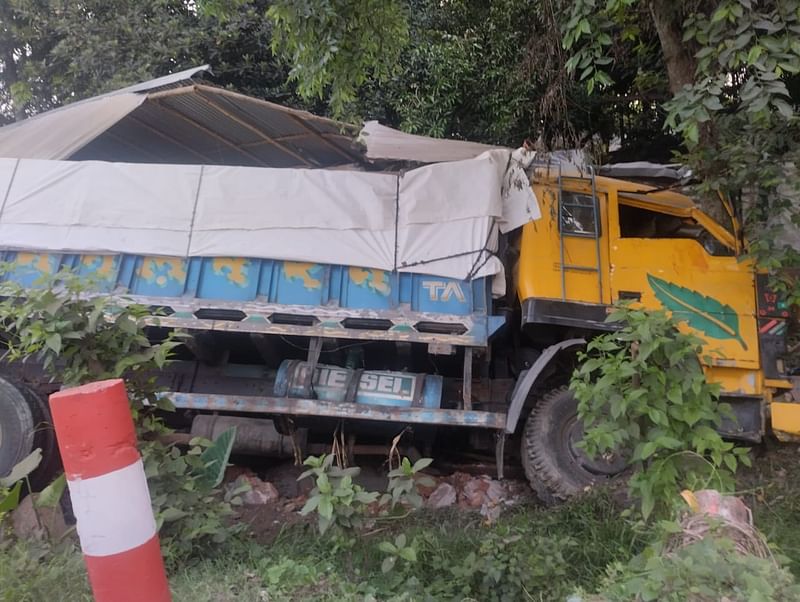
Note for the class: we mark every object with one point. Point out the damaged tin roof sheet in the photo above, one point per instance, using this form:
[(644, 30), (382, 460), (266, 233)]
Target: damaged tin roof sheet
[(179, 119)]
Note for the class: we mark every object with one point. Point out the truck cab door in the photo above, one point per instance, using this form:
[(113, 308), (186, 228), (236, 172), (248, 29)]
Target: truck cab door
[(564, 256), (660, 255)]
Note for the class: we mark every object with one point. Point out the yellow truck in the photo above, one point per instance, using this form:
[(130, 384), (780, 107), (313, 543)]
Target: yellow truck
[(362, 291)]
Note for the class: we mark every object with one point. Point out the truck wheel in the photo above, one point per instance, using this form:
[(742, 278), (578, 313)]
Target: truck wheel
[(44, 437), (16, 427), (25, 425), (555, 466)]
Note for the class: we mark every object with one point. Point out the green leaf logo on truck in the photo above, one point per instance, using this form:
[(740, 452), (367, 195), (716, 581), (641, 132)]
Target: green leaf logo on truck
[(704, 314)]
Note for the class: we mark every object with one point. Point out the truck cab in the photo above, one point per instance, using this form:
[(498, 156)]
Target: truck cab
[(604, 240)]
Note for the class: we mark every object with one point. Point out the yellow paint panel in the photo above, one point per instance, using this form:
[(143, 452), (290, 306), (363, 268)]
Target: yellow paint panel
[(161, 269), (234, 269), (785, 419), (625, 263), (737, 380), (684, 263), (374, 279), (295, 269), (40, 261), (539, 268), (102, 265)]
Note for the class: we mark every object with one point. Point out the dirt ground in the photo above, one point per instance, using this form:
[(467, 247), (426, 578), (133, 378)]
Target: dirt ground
[(471, 492)]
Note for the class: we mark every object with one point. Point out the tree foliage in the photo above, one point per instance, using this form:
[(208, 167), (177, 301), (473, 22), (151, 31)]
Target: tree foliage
[(733, 69), (491, 72), (335, 45), (56, 51)]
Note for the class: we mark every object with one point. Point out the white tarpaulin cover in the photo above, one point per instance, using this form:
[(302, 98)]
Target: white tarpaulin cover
[(383, 142), (441, 219)]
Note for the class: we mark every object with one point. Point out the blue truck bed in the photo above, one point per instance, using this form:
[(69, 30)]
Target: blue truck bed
[(282, 297)]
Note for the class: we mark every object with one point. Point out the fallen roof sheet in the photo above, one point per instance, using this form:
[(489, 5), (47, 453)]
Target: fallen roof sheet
[(176, 119)]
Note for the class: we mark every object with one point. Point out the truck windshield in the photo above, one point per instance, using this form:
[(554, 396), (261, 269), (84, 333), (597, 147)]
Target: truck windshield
[(635, 222)]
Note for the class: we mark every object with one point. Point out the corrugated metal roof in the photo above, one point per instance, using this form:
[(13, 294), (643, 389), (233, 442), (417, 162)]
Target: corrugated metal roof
[(179, 120), (200, 123)]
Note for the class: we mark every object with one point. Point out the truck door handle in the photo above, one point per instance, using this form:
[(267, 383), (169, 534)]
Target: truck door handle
[(630, 296)]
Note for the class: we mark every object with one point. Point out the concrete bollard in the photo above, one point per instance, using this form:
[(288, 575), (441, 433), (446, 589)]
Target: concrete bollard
[(110, 498)]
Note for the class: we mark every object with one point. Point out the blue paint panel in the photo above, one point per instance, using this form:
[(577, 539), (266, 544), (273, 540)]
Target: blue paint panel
[(29, 268), (300, 284), (127, 270), (406, 288), (441, 295), (368, 289), (229, 279), (101, 271), (159, 277)]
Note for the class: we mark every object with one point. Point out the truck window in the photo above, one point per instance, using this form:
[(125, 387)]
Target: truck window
[(578, 214), (635, 222)]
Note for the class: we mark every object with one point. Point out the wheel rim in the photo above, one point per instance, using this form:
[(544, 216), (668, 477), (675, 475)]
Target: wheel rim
[(606, 465)]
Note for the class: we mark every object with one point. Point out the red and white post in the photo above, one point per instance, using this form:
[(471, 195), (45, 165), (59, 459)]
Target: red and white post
[(110, 498)]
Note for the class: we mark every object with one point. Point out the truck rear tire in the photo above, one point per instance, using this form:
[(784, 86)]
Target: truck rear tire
[(555, 467), (16, 427), (25, 424)]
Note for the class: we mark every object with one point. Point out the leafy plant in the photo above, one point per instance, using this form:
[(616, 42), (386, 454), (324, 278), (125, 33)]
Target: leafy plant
[(214, 459), (190, 512), (336, 499), (79, 335), (11, 485), (642, 391), (339, 501), (400, 549), (31, 571), (50, 496), (509, 566), (404, 481)]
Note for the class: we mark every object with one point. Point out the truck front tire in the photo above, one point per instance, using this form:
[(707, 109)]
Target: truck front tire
[(555, 466)]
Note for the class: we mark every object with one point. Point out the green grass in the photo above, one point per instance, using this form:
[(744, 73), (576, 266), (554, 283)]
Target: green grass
[(299, 565), (529, 554), (772, 490)]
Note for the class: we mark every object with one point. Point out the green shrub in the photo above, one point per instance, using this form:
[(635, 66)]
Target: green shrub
[(708, 570), (642, 392), (80, 335)]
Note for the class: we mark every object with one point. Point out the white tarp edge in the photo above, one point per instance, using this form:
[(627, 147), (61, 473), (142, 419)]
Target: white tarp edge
[(59, 133), (385, 143), (441, 219)]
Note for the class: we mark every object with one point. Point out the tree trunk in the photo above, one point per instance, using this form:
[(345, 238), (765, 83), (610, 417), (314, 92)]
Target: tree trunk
[(10, 77), (679, 59), (9, 74)]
